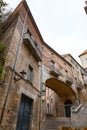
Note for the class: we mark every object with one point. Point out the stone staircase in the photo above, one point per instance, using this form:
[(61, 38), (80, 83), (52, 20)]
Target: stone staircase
[(80, 117), (53, 123), (78, 120), (50, 125)]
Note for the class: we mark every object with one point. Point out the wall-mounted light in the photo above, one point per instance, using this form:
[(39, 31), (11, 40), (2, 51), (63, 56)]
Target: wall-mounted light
[(42, 93), (22, 74)]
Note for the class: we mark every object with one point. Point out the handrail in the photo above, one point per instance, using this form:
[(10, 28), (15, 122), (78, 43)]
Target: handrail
[(77, 108)]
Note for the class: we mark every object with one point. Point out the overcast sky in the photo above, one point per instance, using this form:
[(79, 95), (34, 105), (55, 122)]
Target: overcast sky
[(62, 23)]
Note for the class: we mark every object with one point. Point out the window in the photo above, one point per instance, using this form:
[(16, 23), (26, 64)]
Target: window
[(66, 71), (52, 63), (30, 74), (72, 61), (75, 79), (76, 66), (29, 32)]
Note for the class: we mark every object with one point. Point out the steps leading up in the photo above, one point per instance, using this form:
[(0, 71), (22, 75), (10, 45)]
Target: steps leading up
[(53, 123), (78, 120)]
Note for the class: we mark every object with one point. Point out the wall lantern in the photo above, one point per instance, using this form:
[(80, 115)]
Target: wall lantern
[(22, 74)]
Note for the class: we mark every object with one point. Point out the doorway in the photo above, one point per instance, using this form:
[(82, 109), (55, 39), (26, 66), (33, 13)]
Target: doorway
[(68, 104), (25, 113)]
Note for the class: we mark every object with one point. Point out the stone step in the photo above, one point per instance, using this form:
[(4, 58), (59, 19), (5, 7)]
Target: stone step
[(55, 123)]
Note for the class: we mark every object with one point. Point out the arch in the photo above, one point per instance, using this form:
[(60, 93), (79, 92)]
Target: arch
[(61, 88)]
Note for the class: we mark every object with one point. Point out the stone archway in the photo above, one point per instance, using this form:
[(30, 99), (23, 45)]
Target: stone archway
[(61, 88), (63, 91)]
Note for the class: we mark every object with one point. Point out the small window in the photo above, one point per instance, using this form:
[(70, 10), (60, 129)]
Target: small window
[(52, 53), (72, 61), (52, 63), (64, 63), (76, 66), (75, 79), (66, 71), (29, 32), (30, 74)]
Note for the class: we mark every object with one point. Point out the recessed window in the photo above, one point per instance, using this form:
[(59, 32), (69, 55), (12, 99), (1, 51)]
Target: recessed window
[(66, 71), (52, 54), (29, 32), (72, 61), (42, 47), (52, 63), (75, 79), (76, 66), (64, 63), (30, 74)]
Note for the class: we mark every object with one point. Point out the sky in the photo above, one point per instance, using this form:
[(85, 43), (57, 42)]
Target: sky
[(62, 23)]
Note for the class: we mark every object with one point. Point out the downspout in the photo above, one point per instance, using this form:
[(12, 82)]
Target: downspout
[(13, 70), (40, 95)]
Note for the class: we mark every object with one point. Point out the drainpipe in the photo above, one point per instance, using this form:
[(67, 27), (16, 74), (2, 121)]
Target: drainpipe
[(13, 70), (40, 94)]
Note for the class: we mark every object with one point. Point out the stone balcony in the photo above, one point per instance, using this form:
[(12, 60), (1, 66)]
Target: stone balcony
[(79, 85), (54, 71), (85, 82), (33, 46), (68, 80)]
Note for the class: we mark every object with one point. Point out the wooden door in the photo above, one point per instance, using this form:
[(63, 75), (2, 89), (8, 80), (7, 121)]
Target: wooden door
[(24, 114)]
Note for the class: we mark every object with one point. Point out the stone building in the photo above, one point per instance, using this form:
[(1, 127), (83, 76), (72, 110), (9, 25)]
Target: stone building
[(83, 58), (37, 82), (85, 7)]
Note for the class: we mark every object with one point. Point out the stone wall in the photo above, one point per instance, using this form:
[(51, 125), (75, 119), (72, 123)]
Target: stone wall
[(20, 57), (17, 88)]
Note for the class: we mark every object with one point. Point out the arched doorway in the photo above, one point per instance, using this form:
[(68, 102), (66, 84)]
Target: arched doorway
[(68, 104)]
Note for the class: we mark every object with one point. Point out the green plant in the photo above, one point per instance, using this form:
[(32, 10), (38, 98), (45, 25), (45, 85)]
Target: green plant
[(2, 7), (2, 47), (1, 71), (2, 60), (2, 54), (1, 68)]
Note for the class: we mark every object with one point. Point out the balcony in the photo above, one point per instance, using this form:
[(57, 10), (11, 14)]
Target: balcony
[(79, 85), (68, 80), (33, 46), (54, 71), (85, 82)]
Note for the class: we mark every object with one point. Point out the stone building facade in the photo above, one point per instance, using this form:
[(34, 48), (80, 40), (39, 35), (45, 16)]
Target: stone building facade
[(37, 81), (83, 58)]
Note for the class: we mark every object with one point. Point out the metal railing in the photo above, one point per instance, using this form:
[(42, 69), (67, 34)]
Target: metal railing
[(34, 46), (85, 82)]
